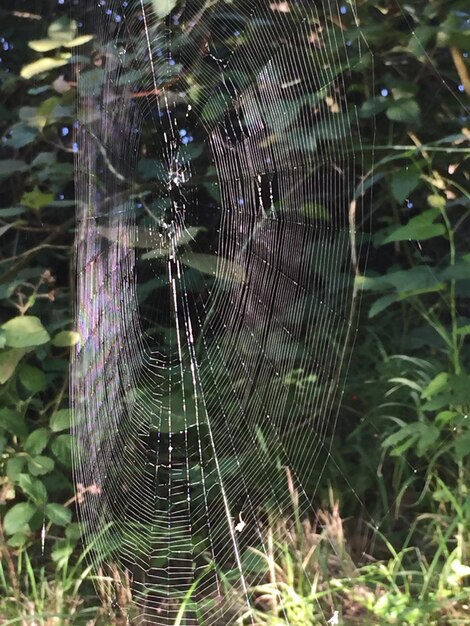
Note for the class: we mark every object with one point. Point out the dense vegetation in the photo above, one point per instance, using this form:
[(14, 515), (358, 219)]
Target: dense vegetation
[(394, 499)]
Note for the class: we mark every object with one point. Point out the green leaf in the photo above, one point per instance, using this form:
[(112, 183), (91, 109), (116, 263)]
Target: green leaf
[(464, 330), (24, 332), (215, 266), (91, 82), (32, 378), (62, 552), (9, 359), (18, 540), (62, 30), (43, 65), (78, 41), (444, 417), (419, 228), (58, 514), (44, 45), (62, 448), (163, 7), (40, 465), (462, 446), (428, 435), (36, 199), (65, 339), (8, 167), (370, 108), (60, 420), (22, 134), (437, 384), (457, 271), (404, 110), (15, 466), (13, 422), (404, 182), (73, 532), (34, 488), (382, 303), (37, 441), (17, 518)]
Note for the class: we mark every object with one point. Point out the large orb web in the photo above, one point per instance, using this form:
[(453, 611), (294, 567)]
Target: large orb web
[(216, 178)]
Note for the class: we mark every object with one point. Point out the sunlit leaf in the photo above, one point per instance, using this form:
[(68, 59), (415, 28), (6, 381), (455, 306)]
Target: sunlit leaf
[(9, 359), (42, 65), (25, 331), (163, 7), (65, 339)]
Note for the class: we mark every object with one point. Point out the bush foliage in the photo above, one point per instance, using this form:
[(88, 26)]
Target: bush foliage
[(400, 457)]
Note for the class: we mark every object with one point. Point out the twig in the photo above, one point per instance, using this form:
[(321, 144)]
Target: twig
[(461, 68), (31, 253)]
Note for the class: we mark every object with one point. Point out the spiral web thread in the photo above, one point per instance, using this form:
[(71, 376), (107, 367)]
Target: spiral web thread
[(214, 291)]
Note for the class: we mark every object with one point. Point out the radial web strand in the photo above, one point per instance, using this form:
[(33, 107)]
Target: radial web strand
[(217, 178)]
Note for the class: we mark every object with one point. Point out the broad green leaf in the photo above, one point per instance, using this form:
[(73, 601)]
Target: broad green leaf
[(405, 110), (25, 331), (418, 228), (73, 532), (62, 448), (34, 488), (58, 514), (43, 65), (18, 540), (372, 107), (32, 378), (382, 303), (91, 82), (33, 117), (405, 282), (15, 467), (40, 465), (60, 420), (458, 271), (17, 518), (404, 182), (8, 167), (22, 135), (9, 359), (37, 441), (66, 339), (13, 422)]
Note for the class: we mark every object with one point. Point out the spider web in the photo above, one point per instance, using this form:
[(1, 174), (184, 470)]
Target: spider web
[(217, 179)]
